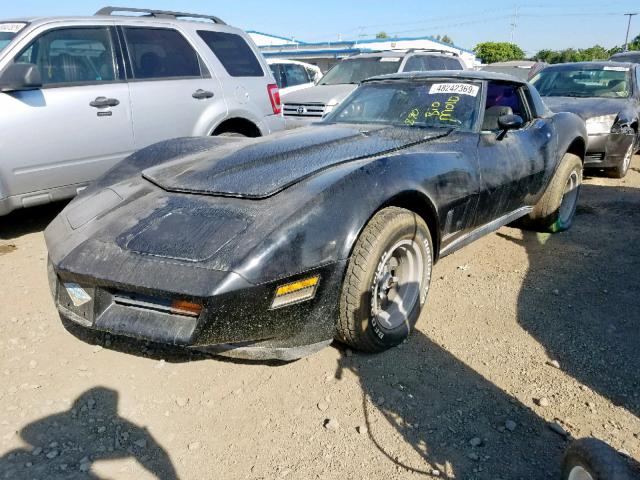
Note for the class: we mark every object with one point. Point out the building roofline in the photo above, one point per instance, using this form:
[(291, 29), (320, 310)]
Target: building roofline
[(293, 41), (362, 40)]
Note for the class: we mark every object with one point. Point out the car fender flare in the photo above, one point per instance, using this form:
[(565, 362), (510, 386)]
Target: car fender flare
[(413, 200)]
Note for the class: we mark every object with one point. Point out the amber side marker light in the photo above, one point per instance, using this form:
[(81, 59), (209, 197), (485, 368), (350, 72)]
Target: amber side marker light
[(295, 292), (183, 307)]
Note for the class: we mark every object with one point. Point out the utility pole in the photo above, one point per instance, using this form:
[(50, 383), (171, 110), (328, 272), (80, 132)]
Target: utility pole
[(514, 24), (626, 39)]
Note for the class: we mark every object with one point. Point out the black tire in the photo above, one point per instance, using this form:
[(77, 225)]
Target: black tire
[(595, 457), (552, 213), (231, 134), (390, 230), (620, 170)]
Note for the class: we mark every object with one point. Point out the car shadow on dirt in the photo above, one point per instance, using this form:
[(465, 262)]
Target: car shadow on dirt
[(579, 298), (28, 220), (67, 444), (456, 421)]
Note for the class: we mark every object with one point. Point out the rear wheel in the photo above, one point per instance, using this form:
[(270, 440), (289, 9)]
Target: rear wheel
[(593, 459), (231, 134), (555, 210), (386, 282)]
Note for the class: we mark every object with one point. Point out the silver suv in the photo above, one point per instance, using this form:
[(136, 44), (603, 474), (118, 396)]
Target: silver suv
[(315, 102), (77, 95)]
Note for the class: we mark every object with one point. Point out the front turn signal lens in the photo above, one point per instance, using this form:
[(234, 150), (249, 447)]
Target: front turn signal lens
[(295, 292)]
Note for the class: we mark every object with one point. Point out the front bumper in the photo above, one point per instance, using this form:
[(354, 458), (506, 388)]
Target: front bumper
[(607, 150), (238, 323)]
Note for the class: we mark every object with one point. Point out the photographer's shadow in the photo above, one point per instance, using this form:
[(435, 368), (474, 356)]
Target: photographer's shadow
[(67, 444)]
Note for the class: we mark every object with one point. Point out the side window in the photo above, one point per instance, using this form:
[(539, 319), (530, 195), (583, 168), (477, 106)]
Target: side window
[(233, 52), (313, 75), (73, 56), (296, 74), (277, 74), (638, 80), (502, 99), (160, 53)]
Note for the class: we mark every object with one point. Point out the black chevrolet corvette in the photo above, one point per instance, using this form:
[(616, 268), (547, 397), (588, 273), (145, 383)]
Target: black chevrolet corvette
[(272, 247)]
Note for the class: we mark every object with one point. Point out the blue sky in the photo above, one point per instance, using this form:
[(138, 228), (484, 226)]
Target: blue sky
[(540, 23)]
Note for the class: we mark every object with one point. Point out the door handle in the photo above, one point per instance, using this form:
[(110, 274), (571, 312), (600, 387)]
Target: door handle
[(103, 102), (202, 94)]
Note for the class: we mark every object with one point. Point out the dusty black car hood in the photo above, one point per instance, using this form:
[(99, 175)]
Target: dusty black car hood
[(586, 107), (262, 167)]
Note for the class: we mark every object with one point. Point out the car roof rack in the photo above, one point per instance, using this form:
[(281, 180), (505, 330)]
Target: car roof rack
[(158, 13), (428, 50)]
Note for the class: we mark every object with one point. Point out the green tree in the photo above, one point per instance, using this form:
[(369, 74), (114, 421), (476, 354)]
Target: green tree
[(567, 55), (635, 43), (382, 35), (490, 52)]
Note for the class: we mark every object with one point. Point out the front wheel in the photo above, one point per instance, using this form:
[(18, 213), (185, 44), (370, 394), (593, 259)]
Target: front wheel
[(620, 170), (555, 210), (386, 282)]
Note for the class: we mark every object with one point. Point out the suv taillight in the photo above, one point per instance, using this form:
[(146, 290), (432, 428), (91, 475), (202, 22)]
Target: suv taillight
[(274, 97)]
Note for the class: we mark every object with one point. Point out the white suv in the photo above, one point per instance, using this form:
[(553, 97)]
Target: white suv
[(78, 95)]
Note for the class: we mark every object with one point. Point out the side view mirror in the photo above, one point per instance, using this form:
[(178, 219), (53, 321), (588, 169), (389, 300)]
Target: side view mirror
[(508, 122), (20, 76)]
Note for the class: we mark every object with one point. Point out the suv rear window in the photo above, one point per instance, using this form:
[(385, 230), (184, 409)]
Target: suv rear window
[(422, 63), (233, 52), (160, 53)]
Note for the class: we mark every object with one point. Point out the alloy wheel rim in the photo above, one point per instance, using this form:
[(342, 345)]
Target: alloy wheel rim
[(579, 473), (569, 197), (627, 158), (397, 283)]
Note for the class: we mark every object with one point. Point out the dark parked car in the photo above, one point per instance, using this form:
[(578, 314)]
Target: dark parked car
[(607, 96), (272, 247), (631, 57)]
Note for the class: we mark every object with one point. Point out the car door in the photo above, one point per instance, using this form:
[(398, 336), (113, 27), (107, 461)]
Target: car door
[(172, 92), (512, 168), (77, 125)]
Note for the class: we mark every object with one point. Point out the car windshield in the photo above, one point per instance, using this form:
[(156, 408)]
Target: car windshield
[(602, 82), (356, 70), (437, 103), (8, 31)]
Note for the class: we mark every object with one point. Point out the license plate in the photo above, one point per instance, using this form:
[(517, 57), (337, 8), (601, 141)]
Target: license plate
[(78, 295)]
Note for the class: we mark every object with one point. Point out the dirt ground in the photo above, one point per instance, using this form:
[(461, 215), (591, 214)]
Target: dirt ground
[(522, 332)]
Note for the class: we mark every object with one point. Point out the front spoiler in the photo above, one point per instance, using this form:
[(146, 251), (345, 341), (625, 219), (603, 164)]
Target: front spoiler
[(237, 324)]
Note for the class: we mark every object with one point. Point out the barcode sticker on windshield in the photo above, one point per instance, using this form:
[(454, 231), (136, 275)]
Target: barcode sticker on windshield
[(616, 69), (460, 88), (11, 27), (389, 59)]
